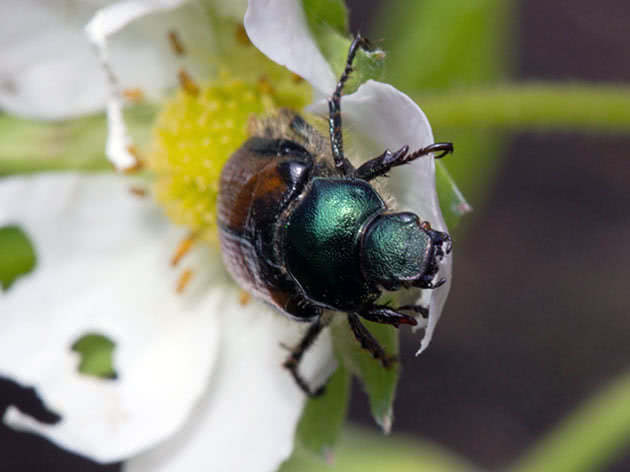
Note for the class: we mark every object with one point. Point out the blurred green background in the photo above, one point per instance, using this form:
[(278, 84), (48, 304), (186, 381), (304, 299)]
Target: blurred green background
[(538, 320)]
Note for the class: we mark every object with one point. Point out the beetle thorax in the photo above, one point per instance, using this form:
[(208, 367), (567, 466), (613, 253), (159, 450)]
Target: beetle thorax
[(322, 241)]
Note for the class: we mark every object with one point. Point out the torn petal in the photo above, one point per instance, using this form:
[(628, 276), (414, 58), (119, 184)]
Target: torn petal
[(248, 416), (119, 144), (278, 28), (104, 24), (386, 118), (103, 267)]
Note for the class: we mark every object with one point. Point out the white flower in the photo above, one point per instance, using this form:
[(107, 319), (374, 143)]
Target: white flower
[(200, 383)]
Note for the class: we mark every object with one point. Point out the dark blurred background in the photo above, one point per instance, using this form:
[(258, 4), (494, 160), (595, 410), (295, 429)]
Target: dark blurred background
[(539, 314), (538, 318)]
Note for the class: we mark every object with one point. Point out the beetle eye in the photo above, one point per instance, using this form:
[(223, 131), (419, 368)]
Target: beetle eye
[(442, 242)]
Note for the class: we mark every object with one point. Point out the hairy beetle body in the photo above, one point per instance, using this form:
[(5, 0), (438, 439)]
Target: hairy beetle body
[(303, 229)]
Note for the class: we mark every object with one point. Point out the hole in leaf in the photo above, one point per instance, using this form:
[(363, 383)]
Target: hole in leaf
[(17, 255), (96, 353)]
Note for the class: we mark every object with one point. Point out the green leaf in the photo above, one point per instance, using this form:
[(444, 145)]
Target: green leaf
[(77, 144), (360, 451), (328, 22), (332, 13), (17, 255), (379, 383), (96, 355), (590, 438), (322, 419)]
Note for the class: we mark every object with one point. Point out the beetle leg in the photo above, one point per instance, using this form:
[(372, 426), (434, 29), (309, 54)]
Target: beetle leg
[(422, 310), (382, 164), (386, 315), (369, 342), (334, 109), (293, 361)]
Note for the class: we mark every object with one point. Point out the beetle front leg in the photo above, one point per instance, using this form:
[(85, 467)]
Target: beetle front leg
[(369, 342), (380, 165), (386, 315)]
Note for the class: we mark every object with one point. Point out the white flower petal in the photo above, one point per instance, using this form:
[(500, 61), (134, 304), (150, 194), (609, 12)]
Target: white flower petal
[(113, 18), (47, 68), (247, 419), (118, 148), (279, 29), (103, 267), (389, 119), (437, 301)]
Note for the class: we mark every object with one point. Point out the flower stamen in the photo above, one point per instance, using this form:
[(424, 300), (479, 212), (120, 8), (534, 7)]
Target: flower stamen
[(265, 86), (244, 297), (138, 191), (205, 122), (182, 249), (176, 44), (139, 162), (241, 36), (195, 134), (187, 83), (184, 280), (134, 95)]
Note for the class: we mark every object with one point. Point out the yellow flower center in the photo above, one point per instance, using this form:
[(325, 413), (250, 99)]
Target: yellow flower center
[(196, 133)]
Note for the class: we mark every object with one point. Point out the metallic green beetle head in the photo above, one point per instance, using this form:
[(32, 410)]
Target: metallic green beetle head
[(397, 250)]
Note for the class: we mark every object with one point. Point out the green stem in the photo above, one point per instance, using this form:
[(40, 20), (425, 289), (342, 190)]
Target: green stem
[(588, 439), (29, 146), (536, 106), (76, 144)]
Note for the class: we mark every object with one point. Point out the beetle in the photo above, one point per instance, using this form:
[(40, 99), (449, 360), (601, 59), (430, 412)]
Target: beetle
[(303, 229)]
